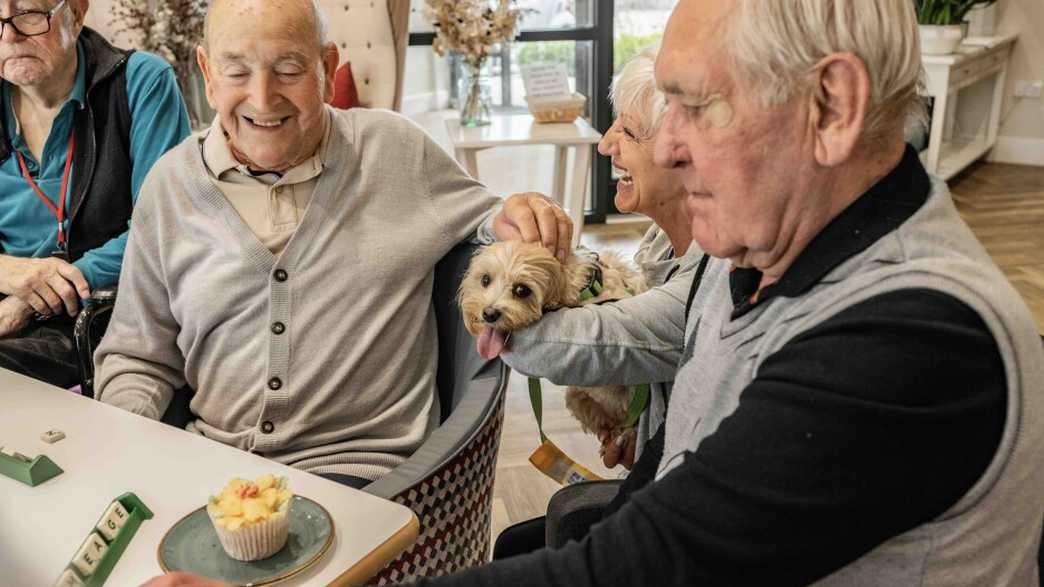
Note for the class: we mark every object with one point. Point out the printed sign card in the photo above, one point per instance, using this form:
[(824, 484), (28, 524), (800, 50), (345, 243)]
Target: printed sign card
[(545, 81)]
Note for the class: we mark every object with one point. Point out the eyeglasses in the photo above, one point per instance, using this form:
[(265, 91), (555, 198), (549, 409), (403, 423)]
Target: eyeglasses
[(31, 22)]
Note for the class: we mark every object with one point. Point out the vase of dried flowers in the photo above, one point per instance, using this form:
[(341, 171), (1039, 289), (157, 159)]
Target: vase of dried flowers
[(171, 29), (474, 29), (476, 103)]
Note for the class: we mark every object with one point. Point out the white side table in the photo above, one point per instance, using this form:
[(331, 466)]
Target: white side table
[(520, 129), (979, 59)]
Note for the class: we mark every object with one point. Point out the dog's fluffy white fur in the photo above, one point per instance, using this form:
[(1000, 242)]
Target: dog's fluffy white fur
[(510, 284)]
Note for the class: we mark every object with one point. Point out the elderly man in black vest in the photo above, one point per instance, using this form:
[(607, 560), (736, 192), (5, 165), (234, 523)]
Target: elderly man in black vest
[(81, 122)]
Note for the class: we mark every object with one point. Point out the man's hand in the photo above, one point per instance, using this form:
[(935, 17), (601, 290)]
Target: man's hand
[(181, 579), (619, 450), (51, 286), (535, 218), (14, 316)]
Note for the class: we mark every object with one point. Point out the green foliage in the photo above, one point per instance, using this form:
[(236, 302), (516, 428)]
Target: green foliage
[(944, 12), (564, 52), (627, 46), (548, 52)]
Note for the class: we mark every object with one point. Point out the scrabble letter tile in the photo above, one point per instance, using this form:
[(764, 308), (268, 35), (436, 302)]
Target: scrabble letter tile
[(52, 436), (69, 579), (114, 519), (87, 557)]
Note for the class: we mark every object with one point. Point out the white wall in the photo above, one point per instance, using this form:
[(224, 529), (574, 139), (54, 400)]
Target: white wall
[(1021, 137), (426, 86), (99, 17)]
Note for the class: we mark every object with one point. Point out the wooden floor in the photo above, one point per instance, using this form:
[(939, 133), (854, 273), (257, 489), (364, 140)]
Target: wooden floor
[(1004, 204)]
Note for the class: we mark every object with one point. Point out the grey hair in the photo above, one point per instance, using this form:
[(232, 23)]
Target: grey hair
[(321, 27), (634, 91), (775, 43)]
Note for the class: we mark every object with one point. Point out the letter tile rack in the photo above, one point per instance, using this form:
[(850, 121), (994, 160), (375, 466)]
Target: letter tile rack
[(105, 543)]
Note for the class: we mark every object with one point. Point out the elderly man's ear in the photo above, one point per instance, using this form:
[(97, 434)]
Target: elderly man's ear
[(838, 101), (331, 58), (80, 12)]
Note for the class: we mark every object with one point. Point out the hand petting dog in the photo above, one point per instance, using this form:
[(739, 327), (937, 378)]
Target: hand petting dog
[(534, 218)]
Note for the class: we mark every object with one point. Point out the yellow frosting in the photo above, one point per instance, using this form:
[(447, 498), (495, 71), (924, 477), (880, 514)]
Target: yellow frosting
[(244, 502)]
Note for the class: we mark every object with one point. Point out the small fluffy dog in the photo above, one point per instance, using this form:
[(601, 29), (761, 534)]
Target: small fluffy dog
[(510, 284)]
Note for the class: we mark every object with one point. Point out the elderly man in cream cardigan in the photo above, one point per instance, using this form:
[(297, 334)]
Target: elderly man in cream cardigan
[(281, 262)]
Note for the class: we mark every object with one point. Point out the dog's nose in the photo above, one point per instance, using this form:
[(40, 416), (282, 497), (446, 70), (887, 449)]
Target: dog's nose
[(490, 315)]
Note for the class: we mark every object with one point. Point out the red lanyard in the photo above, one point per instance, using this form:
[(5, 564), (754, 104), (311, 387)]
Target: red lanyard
[(59, 210)]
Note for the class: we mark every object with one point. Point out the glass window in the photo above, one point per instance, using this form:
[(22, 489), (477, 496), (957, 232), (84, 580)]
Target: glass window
[(576, 56), (576, 33), (549, 15), (636, 24)]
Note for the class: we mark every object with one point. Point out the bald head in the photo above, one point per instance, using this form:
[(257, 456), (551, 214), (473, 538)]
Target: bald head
[(268, 75), (302, 17)]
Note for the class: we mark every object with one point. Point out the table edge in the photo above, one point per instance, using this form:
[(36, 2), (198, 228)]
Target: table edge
[(372, 563)]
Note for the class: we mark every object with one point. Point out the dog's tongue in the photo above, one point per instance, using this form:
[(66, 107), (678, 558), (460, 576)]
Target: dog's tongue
[(491, 342)]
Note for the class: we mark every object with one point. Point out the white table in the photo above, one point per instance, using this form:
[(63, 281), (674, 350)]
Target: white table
[(975, 73), (108, 452), (521, 129)]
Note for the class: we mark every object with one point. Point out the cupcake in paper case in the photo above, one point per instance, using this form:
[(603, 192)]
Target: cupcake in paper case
[(252, 518)]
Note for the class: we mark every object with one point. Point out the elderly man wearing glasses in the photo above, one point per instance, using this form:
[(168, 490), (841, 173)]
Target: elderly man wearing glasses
[(81, 122)]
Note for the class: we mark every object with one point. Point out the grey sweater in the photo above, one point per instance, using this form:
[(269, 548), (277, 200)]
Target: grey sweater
[(324, 356), (655, 258)]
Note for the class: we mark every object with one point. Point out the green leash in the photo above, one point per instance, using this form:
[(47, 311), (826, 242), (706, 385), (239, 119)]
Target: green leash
[(536, 401), (639, 401)]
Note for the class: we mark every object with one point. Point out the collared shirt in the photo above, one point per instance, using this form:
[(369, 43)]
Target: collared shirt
[(879, 211), (159, 121), (271, 205)]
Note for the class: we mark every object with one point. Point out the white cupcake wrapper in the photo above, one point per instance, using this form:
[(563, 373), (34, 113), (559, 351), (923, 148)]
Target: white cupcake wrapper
[(256, 541)]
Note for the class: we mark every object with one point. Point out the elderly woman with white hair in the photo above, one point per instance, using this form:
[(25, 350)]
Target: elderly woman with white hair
[(665, 254), (666, 250), (668, 259)]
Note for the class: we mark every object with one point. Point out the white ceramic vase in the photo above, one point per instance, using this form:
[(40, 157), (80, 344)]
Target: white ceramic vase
[(940, 39)]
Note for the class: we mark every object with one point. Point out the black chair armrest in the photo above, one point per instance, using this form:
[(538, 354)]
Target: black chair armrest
[(104, 295), (86, 334), (574, 508)]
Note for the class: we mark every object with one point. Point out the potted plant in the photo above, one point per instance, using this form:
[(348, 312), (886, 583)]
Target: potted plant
[(940, 23)]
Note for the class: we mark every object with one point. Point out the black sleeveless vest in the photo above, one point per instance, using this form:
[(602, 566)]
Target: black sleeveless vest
[(99, 203)]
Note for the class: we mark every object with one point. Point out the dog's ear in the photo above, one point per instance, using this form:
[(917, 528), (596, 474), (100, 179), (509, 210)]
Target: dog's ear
[(468, 273), (558, 284)]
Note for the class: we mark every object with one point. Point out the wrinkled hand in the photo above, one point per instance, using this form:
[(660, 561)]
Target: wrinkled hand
[(535, 218), (180, 579), (51, 286), (618, 450), (14, 316)]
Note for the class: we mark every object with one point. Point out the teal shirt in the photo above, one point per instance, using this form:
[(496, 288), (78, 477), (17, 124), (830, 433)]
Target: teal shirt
[(159, 121)]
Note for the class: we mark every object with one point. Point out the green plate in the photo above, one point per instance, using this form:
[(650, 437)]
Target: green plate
[(192, 545)]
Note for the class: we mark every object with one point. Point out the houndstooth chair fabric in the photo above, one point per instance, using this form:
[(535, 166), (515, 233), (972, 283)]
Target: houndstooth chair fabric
[(454, 506)]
